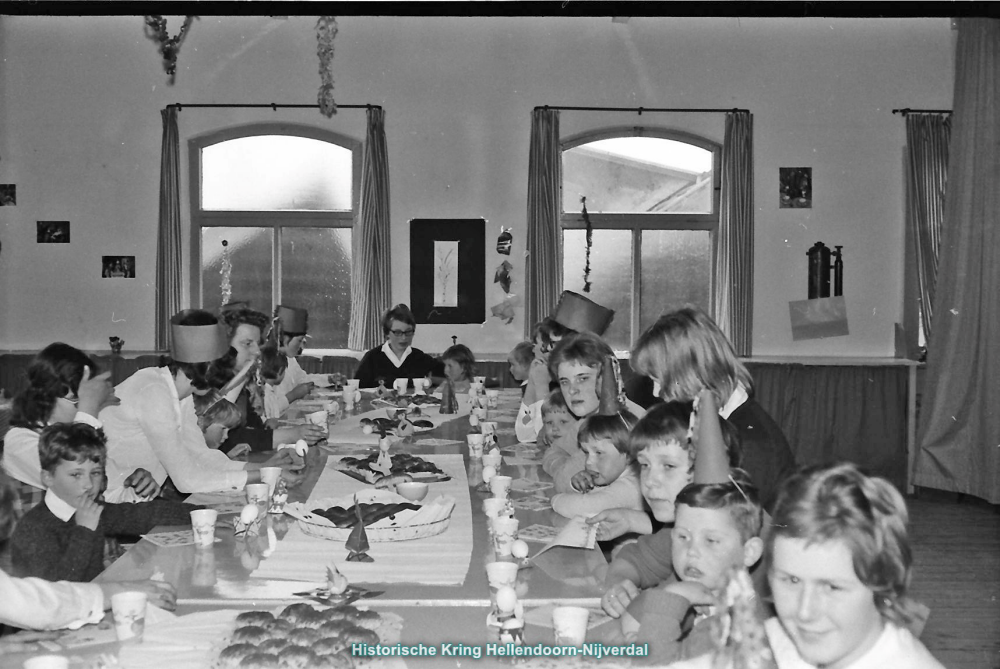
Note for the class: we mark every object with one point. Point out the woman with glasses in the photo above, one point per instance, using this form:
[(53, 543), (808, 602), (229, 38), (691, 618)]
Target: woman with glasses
[(64, 386), (396, 358)]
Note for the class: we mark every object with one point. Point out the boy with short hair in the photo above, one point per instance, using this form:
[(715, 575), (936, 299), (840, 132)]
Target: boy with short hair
[(519, 360), (216, 417), (716, 531), (62, 539)]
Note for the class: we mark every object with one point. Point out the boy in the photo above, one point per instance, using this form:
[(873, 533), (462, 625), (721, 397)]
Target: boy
[(716, 531), (62, 539), (609, 480), (216, 417), (563, 458), (519, 360), (273, 364)]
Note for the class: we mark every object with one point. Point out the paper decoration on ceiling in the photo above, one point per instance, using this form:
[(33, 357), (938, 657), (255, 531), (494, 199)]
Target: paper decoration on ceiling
[(504, 241), (502, 275), (226, 271), (326, 30), (590, 243), (169, 47)]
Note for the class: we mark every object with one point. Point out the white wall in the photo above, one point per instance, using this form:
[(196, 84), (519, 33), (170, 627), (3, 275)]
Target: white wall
[(80, 136)]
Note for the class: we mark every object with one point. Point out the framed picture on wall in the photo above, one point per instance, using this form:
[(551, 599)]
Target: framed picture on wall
[(448, 270), (118, 267), (52, 232), (796, 187)]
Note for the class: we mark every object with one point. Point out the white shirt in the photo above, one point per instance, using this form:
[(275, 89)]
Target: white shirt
[(895, 647), (398, 362), (153, 429), (735, 401), (20, 451), (43, 605), (275, 401), (60, 509)]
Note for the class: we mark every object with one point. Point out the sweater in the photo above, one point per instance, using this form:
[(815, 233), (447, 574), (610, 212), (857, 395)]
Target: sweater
[(252, 432), (767, 456), (376, 364), (45, 546)]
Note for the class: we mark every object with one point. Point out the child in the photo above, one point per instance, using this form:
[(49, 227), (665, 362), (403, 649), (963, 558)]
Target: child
[(667, 463), (273, 364), (216, 417), (519, 360), (459, 367), (545, 335), (716, 531), (62, 539), (563, 458), (609, 480)]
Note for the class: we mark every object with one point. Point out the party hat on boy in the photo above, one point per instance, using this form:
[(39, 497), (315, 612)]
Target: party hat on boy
[(196, 343), (581, 314), (292, 319)]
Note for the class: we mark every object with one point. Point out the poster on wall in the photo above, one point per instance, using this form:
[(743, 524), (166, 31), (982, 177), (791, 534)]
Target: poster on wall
[(8, 195), (117, 267), (796, 187), (448, 270), (52, 232)]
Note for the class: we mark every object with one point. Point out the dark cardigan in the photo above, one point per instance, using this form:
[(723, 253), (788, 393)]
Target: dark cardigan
[(47, 547), (375, 364)]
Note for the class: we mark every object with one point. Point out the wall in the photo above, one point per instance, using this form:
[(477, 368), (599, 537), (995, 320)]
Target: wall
[(80, 136)]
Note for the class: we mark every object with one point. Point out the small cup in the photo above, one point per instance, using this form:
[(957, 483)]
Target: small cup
[(493, 398), (418, 386), (352, 383), (318, 417), (332, 407), (203, 525), (492, 459), (257, 493), (504, 534), (475, 445), (570, 625), (47, 662), (489, 428), (481, 380), (129, 612), (500, 486), (269, 476), (400, 384), (501, 574), (493, 507)]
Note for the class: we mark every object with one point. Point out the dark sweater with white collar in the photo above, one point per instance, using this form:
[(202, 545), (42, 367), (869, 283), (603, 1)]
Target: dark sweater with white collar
[(47, 547)]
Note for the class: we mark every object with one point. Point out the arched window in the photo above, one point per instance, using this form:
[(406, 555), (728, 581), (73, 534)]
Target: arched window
[(284, 198), (653, 202)]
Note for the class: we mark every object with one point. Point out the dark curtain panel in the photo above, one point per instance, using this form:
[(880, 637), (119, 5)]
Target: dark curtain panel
[(959, 430), (835, 412), (371, 280), (168, 239), (542, 269)]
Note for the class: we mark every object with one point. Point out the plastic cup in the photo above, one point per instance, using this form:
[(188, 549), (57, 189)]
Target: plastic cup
[(475, 445), (129, 612), (400, 384), (331, 406), (353, 383), (489, 428), (492, 459), (500, 486), (481, 380), (493, 507), (504, 534), (270, 476), (570, 625), (257, 493), (501, 574), (418, 386), (203, 526), (318, 417), (493, 398), (47, 662), (348, 396)]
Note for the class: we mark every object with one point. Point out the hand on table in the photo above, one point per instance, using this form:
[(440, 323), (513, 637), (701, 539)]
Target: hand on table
[(143, 483), (313, 434), (583, 481), (158, 593), (300, 391), (617, 598), (614, 523)]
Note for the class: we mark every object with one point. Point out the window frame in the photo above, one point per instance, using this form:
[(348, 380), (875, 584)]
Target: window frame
[(637, 222), (275, 220)]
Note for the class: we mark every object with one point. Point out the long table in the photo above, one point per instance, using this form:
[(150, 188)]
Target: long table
[(224, 576)]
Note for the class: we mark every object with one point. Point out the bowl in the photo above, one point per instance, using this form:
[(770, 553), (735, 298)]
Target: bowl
[(412, 490)]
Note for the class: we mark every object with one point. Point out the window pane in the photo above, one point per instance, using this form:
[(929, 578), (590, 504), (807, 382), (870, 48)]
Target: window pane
[(610, 276), (638, 174), (250, 252), (316, 275), (276, 172), (676, 270)]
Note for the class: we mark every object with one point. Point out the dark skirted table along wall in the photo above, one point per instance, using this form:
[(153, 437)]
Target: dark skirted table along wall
[(858, 409)]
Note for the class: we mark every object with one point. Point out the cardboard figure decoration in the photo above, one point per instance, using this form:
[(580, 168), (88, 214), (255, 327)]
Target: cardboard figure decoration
[(357, 542), (504, 241), (502, 275)]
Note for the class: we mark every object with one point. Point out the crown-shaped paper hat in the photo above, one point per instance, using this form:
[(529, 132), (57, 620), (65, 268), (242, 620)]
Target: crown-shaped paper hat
[(582, 314), (612, 391), (292, 319), (196, 343)]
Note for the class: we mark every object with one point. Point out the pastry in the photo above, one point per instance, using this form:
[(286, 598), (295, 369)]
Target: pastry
[(341, 660), (260, 661), (333, 628), (402, 463), (360, 635), (297, 657), (280, 628), (293, 613), (259, 618), (231, 656), (330, 645), (304, 636), (370, 513), (272, 646), (250, 634), (367, 619)]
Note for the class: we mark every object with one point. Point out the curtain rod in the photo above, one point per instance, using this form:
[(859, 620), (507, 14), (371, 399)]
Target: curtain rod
[(180, 106), (640, 110), (906, 111)]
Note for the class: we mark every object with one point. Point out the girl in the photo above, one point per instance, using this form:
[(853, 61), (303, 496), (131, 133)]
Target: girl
[(459, 367), (273, 367), (685, 352), (840, 565), (545, 335), (609, 480)]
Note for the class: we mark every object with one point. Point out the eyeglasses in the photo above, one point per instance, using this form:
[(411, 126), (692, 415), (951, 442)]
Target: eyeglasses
[(72, 400), (403, 333)]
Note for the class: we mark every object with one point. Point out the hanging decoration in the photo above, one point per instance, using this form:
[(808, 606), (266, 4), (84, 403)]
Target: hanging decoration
[(590, 244), (169, 47), (326, 30), (502, 275), (227, 272), (504, 241), (504, 310)]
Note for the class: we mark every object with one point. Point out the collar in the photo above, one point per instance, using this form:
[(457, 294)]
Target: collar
[(58, 507), (398, 362), (735, 401)]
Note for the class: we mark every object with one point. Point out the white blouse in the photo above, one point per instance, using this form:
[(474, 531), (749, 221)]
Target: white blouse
[(153, 429), (37, 604)]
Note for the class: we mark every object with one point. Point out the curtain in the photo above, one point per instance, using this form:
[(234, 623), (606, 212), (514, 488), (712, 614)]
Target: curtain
[(370, 271), (734, 247), (542, 269), (927, 137), (959, 428), (168, 239)]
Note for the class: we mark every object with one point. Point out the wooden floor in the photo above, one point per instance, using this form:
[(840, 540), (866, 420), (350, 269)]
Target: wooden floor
[(956, 550)]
